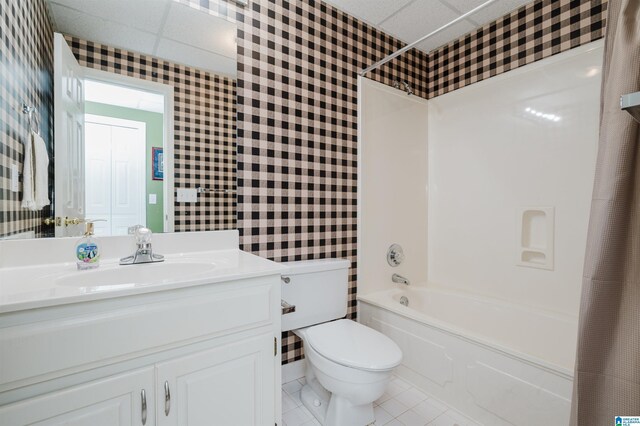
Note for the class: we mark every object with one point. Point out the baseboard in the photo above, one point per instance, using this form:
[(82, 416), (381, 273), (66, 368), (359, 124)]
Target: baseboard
[(293, 371)]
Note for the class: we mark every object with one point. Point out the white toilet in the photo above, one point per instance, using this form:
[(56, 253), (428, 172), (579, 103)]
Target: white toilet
[(348, 364)]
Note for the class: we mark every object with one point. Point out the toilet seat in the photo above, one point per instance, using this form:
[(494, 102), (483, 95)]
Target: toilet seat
[(354, 345)]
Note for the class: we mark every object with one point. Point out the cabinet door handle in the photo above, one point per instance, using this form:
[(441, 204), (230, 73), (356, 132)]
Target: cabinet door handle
[(167, 398), (143, 396)]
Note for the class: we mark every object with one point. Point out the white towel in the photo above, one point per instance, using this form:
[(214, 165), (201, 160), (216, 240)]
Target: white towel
[(28, 193), (35, 172)]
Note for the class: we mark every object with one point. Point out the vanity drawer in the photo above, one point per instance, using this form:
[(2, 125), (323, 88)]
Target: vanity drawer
[(43, 350)]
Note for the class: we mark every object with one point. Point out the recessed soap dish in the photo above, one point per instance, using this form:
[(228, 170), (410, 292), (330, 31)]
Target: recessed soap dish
[(535, 237)]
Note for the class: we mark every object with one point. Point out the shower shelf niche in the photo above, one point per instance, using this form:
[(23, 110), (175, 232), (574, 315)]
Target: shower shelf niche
[(535, 237)]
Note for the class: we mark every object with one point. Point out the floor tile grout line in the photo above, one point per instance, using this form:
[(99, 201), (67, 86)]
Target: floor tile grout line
[(409, 386)]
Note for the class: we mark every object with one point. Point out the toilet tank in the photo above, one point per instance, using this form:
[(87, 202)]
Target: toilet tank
[(318, 289)]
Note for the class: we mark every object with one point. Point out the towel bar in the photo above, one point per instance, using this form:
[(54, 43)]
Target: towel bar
[(32, 114)]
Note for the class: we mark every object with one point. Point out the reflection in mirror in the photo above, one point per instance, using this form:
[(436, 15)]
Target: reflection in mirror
[(124, 167), (137, 111)]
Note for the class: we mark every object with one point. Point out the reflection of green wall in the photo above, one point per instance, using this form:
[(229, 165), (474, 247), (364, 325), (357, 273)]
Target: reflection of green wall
[(153, 121)]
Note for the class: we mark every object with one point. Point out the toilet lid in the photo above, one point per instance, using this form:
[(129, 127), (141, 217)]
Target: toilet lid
[(352, 344)]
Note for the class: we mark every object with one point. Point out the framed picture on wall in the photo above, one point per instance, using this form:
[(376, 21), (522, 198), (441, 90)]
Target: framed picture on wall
[(157, 159)]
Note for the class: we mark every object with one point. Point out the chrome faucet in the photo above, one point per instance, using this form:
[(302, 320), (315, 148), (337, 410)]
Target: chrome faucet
[(144, 252), (399, 279)]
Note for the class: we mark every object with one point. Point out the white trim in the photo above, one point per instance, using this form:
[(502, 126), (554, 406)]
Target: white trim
[(293, 371), (359, 123), (20, 236), (167, 91)]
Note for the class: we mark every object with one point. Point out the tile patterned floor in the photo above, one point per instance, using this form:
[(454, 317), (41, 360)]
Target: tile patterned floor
[(401, 405)]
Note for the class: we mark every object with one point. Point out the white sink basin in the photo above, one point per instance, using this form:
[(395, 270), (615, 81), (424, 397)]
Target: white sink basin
[(133, 275)]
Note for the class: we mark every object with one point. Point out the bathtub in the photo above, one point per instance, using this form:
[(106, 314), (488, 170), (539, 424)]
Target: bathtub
[(499, 363)]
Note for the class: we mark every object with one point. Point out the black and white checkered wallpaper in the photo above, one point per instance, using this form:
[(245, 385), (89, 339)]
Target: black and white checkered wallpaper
[(532, 32), (204, 129), (297, 110), (26, 66), (297, 129)]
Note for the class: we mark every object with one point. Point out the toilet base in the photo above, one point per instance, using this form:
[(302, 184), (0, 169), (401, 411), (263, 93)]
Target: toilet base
[(314, 403), (333, 410)]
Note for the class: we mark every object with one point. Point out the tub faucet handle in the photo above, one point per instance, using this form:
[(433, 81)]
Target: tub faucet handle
[(395, 255)]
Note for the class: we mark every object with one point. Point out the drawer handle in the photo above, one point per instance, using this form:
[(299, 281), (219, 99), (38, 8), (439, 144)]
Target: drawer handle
[(285, 280), (287, 308), (167, 398), (143, 396)]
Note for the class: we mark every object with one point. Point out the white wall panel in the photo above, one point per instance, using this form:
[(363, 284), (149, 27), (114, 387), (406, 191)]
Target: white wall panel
[(392, 185), (525, 138)]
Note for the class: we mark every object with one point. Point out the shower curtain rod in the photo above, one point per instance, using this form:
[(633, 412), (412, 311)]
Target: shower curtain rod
[(420, 40)]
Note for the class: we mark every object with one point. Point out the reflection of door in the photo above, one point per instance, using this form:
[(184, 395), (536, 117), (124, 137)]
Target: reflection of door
[(69, 137), (115, 173)]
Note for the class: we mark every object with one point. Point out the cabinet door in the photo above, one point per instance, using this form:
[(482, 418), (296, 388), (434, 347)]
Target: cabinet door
[(113, 401), (231, 385)]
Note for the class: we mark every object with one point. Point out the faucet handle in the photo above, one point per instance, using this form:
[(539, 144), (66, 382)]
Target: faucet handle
[(133, 229), (395, 255), (143, 235), (144, 253)]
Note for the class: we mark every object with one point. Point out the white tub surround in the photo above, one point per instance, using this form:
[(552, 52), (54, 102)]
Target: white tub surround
[(392, 184), (544, 338), (511, 169), (499, 363), (493, 228), (196, 338)]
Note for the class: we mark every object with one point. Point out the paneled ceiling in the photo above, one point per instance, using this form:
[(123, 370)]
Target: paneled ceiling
[(179, 33), (409, 20), (162, 28)]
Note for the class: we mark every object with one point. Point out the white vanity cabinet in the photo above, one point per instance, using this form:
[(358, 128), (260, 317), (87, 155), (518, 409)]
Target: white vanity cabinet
[(120, 400), (230, 385), (203, 355)]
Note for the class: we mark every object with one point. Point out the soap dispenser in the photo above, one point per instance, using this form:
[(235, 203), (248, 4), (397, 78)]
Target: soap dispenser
[(88, 249)]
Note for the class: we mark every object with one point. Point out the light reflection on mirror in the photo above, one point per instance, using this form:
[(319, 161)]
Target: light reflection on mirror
[(126, 164)]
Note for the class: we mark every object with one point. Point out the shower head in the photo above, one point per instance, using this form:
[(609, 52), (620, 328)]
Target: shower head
[(397, 84), (407, 88)]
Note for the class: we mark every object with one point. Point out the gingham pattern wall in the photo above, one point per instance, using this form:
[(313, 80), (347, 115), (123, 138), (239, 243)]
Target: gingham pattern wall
[(297, 111), (297, 106), (26, 66), (297, 130), (532, 32), (204, 129)]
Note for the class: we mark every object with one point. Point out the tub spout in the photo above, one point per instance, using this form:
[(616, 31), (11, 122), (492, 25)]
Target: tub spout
[(399, 279)]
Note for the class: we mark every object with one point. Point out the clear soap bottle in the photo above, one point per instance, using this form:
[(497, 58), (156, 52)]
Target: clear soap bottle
[(88, 250)]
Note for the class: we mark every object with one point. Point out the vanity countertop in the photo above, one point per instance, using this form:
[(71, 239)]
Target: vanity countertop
[(54, 283), (29, 287)]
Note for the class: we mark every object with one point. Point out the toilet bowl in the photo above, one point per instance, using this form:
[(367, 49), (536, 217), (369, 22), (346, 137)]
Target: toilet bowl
[(348, 365), (353, 363)]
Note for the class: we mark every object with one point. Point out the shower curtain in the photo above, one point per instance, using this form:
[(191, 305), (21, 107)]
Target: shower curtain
[(607, 375)]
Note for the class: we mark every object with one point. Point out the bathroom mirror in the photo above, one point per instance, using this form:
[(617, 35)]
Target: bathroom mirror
[(139, 121)]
